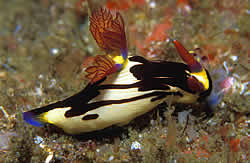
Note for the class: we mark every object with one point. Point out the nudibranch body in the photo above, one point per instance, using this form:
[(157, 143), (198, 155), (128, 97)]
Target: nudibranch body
[(123, 87)]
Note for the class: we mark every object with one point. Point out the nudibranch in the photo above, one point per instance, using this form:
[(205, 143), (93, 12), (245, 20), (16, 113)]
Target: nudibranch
[(123, 87)]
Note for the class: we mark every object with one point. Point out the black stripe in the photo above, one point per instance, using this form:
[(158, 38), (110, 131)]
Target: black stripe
[(90, 117), (119, 86), (78, 100), (144, 85), (158, 95), (160, 73)]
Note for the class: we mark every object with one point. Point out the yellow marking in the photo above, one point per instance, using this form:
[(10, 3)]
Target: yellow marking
[(197, 58), (119, 59), (54, 115), (202, 77), (44, 118), (125, 63)]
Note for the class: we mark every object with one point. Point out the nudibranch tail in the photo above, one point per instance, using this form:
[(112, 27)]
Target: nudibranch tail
[(103, 66), (192, 63), (108, 30), (30, 118)]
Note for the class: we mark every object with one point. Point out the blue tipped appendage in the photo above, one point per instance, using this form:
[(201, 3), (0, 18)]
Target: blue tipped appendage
[(124, 53), (31, 119)]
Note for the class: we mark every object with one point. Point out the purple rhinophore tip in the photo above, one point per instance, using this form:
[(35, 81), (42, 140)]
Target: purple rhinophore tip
[(124, 52), (118, 66)]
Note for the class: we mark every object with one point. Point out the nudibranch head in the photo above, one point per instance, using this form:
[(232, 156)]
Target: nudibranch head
[(198, 81)]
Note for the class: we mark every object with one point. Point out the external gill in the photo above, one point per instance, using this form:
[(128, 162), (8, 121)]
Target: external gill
[(108, 30)]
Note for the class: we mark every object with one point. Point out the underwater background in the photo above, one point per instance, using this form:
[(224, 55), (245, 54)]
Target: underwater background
[(45, 46)]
